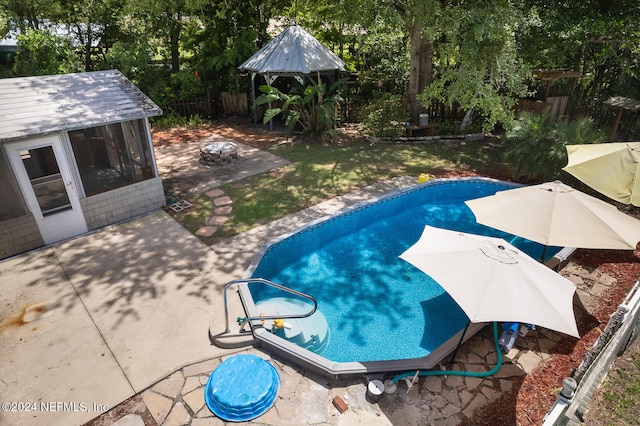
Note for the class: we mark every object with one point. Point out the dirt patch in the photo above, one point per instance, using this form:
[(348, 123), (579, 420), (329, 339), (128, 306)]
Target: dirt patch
[(133, 406), (239, 129)]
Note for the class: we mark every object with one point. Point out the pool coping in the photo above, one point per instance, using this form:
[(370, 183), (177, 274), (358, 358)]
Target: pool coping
[(325, 366)]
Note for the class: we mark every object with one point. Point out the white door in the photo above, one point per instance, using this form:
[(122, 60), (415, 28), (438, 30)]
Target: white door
[(47, 184)]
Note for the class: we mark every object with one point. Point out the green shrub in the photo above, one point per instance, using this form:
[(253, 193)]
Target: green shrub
[(535, 148), (313, 107), (196, 121), (452, 127), (176, 120), (170, 120), (385, 117)]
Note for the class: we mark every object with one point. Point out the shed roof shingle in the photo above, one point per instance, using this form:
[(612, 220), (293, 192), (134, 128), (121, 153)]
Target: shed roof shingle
[(31, 106)]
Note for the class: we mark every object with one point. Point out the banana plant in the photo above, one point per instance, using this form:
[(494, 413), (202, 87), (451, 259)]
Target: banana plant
[(313, 107)]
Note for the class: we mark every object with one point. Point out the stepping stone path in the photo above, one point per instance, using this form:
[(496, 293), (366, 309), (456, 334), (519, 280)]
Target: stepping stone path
[(220, 215)]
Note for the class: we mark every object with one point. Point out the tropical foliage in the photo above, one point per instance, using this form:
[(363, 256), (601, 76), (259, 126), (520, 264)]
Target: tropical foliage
[(535, 147), (312, 107)]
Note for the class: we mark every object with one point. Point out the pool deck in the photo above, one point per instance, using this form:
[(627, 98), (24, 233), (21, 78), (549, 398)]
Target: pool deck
[(112, 327)]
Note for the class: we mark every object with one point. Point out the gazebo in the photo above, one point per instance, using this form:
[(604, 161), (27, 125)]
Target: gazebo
[(621, 105), (293, 53)]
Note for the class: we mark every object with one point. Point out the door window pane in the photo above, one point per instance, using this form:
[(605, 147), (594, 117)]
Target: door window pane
[(46, 181)]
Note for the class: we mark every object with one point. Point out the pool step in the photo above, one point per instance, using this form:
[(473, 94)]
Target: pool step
[(311, 333)]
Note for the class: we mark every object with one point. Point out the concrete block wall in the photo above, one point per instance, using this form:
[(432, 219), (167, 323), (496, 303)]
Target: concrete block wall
[(123, 203), (22, 234), (19, 235)]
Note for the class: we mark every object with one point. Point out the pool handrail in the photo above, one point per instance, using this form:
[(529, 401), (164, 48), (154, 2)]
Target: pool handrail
[(243, 321)]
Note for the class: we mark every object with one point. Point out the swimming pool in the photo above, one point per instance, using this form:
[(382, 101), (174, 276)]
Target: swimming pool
[(382, 314)]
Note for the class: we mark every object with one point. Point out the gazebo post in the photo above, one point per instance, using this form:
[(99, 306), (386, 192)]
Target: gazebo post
[(253, 98), (271, 119)]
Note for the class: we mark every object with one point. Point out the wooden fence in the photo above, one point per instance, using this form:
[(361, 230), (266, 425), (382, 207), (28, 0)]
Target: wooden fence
[(206, 107), (202, 106), (235, 103)]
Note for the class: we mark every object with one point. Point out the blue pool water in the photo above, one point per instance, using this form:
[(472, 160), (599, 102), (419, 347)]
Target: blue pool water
[(379, 307)]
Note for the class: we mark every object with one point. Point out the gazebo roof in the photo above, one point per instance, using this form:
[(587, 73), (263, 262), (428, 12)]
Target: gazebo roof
[(293, 52)]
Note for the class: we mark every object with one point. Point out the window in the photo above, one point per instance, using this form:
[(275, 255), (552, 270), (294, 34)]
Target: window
[(112, 156), (11, 203)]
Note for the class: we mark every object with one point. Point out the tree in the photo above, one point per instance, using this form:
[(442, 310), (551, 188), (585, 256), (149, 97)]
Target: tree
[(478, 64), (421, 59), (43, 53), (94, 25), (28, 14), (600, 39), (164, 20), (460, 53), (228, 34)]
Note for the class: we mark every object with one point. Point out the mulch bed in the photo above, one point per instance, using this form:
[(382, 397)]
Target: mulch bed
[(531, 399), (235, 128)]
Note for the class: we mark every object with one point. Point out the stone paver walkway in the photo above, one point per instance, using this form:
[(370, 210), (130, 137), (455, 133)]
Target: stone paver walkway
[(222, 209)]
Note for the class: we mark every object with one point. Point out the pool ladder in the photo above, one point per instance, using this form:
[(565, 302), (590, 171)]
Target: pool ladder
[(243, 321)]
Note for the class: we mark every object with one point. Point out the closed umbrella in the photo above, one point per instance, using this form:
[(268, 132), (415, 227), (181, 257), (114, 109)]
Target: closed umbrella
[(556, 214), (612, 169), (493, 281)]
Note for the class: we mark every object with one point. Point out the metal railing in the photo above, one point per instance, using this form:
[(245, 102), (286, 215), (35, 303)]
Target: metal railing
[(243, 321)]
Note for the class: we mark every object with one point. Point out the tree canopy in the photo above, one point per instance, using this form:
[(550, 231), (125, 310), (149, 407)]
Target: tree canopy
[(451, 58)]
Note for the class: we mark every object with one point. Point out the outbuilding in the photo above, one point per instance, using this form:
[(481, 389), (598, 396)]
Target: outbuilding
[(293, 53), (75, 156)]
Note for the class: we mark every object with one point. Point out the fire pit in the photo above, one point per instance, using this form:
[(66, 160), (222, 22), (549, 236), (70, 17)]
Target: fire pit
[(217, 152)]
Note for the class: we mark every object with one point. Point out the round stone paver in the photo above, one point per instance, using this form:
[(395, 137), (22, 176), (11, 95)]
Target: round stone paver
[(217, 220), (206, 231)]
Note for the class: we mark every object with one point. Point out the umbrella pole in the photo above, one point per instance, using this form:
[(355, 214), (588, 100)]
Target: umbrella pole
[(455, 352), (544, 253)]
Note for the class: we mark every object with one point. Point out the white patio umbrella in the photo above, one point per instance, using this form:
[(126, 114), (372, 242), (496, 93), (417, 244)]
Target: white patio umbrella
[(556, 214), (493, 281), (612, 169)]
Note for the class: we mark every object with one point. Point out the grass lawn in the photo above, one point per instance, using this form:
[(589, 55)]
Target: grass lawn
[(319, 172), (617, 402)]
